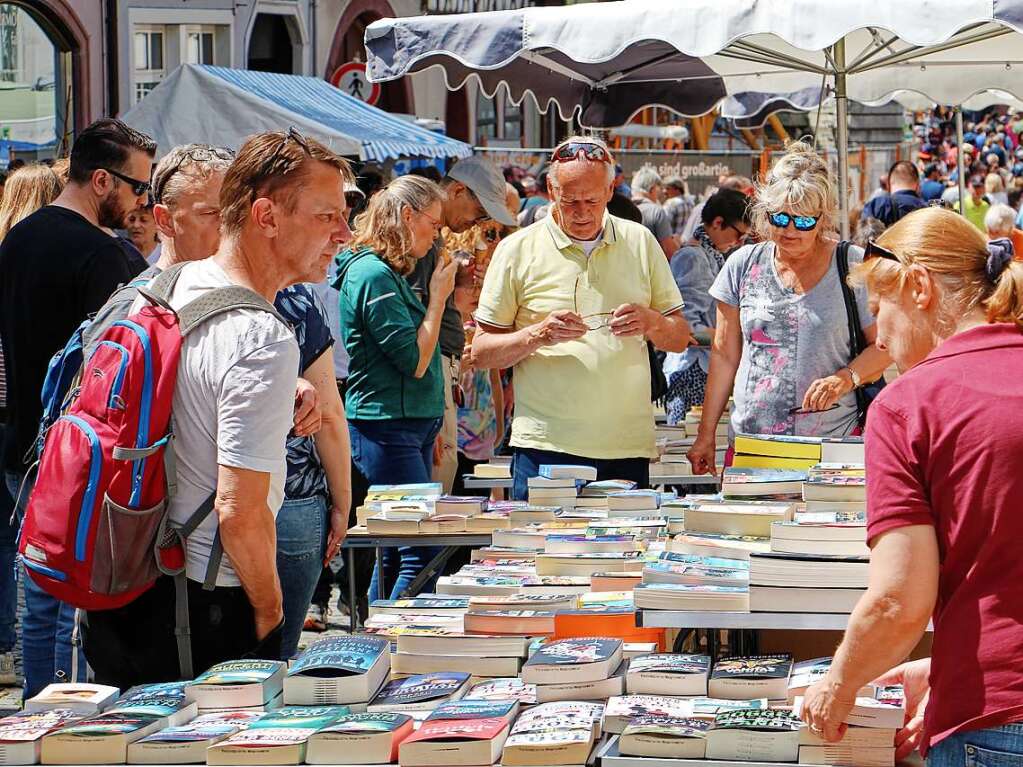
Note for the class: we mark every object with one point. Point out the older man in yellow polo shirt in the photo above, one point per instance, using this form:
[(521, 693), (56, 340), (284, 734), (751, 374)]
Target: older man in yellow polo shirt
[(570, 302)]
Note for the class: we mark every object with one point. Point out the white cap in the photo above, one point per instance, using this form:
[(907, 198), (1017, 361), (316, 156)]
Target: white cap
[(486, 182)]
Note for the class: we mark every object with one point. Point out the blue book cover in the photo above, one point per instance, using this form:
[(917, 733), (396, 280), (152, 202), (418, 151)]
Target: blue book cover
[(339, 656), (700, 561), (421, 687), (474, 709), (239, 672)]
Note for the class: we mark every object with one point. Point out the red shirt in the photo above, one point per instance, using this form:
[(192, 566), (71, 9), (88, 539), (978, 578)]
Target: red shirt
[(944, 447)]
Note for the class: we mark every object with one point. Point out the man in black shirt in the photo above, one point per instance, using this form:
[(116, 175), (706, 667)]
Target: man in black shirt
[(56, 268), (475, 192)]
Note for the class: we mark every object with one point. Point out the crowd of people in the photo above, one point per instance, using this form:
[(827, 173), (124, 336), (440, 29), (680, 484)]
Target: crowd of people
[(400, 331)]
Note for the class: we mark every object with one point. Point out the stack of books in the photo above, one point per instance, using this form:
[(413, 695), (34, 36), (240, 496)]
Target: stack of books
[(422, 650), (345, 670), (465, 732), (776, 451), (254, 685), (692, 422), (584, 668), (809, 583), (869, 740), (499, 467), (561, 733)]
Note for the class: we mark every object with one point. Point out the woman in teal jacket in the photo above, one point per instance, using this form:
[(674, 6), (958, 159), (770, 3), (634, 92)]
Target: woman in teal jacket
[(395, 396)]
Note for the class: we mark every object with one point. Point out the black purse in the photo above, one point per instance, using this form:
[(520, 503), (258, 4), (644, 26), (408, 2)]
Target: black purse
[(857, 341), (658, 381)]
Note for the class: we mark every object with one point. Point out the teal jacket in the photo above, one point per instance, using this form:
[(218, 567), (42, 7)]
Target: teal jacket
[(380, 317)]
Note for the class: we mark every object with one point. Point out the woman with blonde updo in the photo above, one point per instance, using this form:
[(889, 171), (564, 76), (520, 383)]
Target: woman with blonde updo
[(782, 346), (943, 443)]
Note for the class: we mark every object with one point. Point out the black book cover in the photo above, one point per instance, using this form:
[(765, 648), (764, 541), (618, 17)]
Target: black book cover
[(571, 651), (754, 667)]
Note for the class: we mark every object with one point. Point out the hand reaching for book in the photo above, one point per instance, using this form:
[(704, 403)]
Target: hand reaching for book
[(914, 678)]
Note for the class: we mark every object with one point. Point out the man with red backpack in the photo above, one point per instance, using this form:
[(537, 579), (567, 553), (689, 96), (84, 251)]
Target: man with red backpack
[(281, 205)]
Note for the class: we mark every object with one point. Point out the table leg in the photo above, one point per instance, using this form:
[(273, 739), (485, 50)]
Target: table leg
[(382, 590), (427, 572), (352, 599)]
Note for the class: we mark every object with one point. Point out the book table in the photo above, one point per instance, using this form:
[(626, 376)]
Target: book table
[(359, 538), (683, 480)]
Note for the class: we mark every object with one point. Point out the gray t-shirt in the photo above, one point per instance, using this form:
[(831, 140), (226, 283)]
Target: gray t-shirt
[(789, 340), (233, 406), (654, 218), (452, 334)]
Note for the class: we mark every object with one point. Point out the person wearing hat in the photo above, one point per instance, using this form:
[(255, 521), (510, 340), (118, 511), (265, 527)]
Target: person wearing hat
[(474, 192), (571, 303)]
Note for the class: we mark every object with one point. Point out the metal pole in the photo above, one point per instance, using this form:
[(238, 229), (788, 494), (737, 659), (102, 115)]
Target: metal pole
[(960, 155), (842, 104)]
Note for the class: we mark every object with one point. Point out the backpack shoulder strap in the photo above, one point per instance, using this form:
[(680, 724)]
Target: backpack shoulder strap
[(163, 284), (218, 301)]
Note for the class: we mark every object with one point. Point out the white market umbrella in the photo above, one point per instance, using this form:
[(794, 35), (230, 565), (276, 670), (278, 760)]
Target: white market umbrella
[(607, 60)]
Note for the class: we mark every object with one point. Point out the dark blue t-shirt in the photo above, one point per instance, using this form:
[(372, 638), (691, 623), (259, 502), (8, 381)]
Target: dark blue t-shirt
[(889, 208), (931, 190), (303, 310)]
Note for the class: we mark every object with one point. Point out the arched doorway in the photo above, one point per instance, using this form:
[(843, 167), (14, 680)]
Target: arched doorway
[(395, 96), (44, 63), (271, 48)]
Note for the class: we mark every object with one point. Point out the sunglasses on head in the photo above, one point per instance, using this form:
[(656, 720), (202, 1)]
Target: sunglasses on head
[(588, 149), (195, 154), (873, 250), (802, 223), (138, 188)]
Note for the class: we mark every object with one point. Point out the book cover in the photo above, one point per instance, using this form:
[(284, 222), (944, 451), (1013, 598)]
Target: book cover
[(725, 563), (670, 663), (559, 715), (711, 707), (239, 672), (504, 689), (378, 722), (156, 700), (474, 709), (760, 720), (668, 726), (738, 476), (575, 651), (458, 729), (630, 706), (753, 667), (339, 656), (32, 725), (285, 726), (420, 688), (86, 698), (205, 727)]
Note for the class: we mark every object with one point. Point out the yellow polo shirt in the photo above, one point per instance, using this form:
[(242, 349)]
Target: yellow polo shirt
[(588, 397)]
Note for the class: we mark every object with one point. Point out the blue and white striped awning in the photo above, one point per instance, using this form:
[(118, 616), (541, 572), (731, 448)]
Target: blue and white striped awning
[(223, 106)]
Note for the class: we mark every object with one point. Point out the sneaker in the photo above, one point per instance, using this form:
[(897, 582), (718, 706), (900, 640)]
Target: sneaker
[(8, 673), (315, 619)]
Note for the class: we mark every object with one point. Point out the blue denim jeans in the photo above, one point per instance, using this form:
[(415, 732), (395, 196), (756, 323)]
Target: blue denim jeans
[(9, 524), (993, 747), (391, 452), (51, 640), (527, 461), (301, 539)]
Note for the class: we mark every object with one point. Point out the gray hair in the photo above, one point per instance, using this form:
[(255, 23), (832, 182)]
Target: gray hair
[(800, 183), (1000, 219), (186, 167), (381, 226), (552, 174), (645, 179)]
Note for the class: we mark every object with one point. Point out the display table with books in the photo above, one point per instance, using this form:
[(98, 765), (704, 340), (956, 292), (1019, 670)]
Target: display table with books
[(360, 538), (472, 482)]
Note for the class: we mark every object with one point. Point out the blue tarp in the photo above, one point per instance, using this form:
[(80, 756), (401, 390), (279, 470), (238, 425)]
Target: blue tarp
[(222, 106)]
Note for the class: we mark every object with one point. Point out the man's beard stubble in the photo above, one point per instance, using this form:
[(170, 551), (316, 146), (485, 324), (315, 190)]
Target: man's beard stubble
[(110, 213)]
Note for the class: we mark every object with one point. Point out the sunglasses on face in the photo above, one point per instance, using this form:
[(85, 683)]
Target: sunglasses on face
[(588, 149), (873, 250), (138, 188), (802, 223)]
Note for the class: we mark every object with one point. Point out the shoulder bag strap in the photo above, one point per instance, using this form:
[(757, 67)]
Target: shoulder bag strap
[(857, 341)]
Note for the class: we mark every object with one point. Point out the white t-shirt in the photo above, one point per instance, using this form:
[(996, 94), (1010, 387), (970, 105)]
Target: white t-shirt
[(233, 406)]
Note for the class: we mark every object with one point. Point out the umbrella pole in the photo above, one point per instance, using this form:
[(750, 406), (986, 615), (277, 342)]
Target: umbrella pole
[(842, 109), (959, 160)]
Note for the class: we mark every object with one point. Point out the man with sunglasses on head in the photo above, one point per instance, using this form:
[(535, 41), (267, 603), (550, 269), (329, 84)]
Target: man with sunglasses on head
[(570, 303), (57, 267), (475, 192)]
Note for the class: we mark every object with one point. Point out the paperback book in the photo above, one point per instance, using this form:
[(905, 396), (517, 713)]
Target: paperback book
[(187, 743), (237, 684), (573, 660), (665, 737), (360, 739), (423, 692), (279, 737), (668, 674), (338, 670), (770, 735), (753, 676)]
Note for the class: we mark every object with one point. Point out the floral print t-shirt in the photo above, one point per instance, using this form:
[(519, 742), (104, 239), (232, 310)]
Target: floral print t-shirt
[(789, 340)]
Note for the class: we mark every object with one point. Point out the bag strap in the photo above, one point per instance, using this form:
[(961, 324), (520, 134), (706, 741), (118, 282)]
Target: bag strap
[(218, 301), (857, 341)]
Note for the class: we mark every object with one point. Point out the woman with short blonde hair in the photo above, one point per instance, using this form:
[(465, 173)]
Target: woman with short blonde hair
[(395, 396), (782, 346), (943, 523)]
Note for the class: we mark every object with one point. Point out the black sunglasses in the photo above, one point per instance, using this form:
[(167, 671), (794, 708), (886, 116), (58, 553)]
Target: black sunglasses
[(590, 150), (802, 223), (292, 135), (195, 154), (138, 188), (873, 250)]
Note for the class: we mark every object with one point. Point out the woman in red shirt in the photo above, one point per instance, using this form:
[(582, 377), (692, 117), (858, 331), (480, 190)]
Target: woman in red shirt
[(944, 448)]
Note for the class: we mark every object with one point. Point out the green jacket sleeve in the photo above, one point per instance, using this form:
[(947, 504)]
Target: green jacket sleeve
[(388, 321)]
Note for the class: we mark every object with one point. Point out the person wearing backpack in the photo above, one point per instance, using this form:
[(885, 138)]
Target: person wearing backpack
[(232, 410), (57, 267)]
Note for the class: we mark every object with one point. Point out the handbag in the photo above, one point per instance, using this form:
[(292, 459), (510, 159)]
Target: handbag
[(658, 381), (857, 340)]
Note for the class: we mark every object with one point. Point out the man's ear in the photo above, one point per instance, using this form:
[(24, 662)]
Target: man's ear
[(264, 215), (101, 182), (162, 217)]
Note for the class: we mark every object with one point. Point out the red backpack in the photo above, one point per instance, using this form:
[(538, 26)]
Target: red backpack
[(96, 533)]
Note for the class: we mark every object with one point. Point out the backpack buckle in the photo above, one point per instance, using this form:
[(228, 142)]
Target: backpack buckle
[(156, 300)]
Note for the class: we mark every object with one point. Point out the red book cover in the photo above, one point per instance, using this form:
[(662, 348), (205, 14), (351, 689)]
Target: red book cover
[(459, 729)]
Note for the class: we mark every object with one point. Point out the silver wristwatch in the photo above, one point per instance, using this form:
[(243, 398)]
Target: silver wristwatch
[(857, 381)]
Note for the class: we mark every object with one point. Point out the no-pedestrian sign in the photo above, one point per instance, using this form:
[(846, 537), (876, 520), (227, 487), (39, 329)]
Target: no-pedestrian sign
[(351, 78)]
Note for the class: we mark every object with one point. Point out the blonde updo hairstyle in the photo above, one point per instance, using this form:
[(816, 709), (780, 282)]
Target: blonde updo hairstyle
[(801, 183), (381, 226), (955, 254)]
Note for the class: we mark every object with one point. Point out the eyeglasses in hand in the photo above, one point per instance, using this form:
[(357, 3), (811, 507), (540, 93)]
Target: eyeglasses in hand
[(595, 321)]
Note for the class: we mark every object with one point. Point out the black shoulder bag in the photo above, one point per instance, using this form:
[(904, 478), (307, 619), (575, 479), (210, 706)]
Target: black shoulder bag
[(858, 342), (658, 381)]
